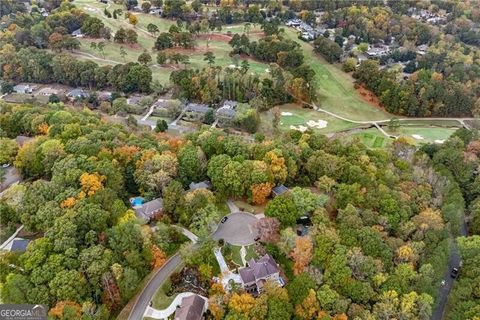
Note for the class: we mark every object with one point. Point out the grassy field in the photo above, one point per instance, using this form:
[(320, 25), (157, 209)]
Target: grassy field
[(372, 138), (111, 54), (236, 257), (335, 87), (429, 135)]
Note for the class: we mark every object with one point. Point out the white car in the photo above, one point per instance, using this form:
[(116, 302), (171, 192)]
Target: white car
[(6, 165)]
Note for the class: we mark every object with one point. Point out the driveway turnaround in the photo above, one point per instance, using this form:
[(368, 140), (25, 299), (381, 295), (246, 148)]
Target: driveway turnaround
[(238, 229), (165, 313)]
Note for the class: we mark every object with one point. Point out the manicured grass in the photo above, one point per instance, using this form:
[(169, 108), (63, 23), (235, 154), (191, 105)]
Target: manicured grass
[(428, 122), (111, 54), (22, 97), (248, 207), (429, 135), (372, 138), (300, 116), (160, 300), (236, 257), (335, 87)]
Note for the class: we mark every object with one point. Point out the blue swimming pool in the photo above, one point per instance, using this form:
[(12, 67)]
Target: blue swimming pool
[(137, 201)]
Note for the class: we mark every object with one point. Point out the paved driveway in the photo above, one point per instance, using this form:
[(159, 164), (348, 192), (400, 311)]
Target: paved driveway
[(12, 175), (238, 229)]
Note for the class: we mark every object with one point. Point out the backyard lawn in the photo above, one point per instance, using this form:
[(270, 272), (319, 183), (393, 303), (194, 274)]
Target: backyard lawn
[(236, 257)]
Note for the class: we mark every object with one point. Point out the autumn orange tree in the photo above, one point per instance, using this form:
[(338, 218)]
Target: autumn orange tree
[(309, 308), (159, 257), (302, 254), (62, 307), (260, 192)]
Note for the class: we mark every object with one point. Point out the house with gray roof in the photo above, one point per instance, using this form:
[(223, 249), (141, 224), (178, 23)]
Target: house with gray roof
[(23, 88), (17, 245), (196, 111), (191, 308), (199, 185), (77, 94), (148, 210), (257, 273)]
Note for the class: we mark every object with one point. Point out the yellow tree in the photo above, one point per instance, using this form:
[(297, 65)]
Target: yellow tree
[(215, 305), (132, 19), (302, 254), (277, 165), (91, 183), (58, 311), (241, 303), (68, 203), (309, 307)]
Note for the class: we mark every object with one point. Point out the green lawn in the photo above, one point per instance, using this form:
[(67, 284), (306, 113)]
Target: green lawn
[(146, 41), (236, 257), (429, 135), (335, 87), (373, 138), (294, 115)]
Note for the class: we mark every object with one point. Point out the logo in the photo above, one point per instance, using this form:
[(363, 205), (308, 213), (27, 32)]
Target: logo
[(23, 312)]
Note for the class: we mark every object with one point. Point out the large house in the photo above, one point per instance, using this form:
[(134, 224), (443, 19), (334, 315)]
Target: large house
[(23, 88), (191, 308), (148, 210), (257, 273)]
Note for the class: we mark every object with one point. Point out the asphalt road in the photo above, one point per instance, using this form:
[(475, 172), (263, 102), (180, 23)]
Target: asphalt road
[(444, 291), (152, 286)]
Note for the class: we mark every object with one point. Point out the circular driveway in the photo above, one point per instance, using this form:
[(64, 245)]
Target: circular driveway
[(238, 229)]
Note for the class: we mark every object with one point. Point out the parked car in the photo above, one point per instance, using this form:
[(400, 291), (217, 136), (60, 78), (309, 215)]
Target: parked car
[(6, 165), (224, 219), (454, 273)]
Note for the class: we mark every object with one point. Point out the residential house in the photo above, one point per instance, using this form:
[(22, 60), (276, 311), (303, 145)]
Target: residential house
[(378, 51), (227, 112), (156, 11), (23, 88), (148, 210), (196, 111), (294, 23), (191, 308), (48, 91), (257, 273), (134, 99), (77, 94), (199, 185), (278, 190), (17, 245), (77, 33), (422, 49), (104, 96)]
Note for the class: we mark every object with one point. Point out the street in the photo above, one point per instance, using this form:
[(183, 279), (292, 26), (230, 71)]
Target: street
[(444, 291), (11, 176), (152, 286)]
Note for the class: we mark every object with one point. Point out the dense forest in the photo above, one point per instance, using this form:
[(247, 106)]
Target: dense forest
[(80, 171)]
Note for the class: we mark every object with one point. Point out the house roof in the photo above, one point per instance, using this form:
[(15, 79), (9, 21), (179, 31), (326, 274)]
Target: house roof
[(258, 270), (278, 190), (203, 184), (17, 245), (191, 308), (149, 209), (22, 87), (230, 104), (226, 112), (196, 107), (77, 93), (21, 140)]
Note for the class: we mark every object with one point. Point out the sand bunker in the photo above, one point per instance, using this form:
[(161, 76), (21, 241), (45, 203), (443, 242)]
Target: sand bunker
[(287, 114), (417, 136), (299, 128), (319, 124), (440, 141)]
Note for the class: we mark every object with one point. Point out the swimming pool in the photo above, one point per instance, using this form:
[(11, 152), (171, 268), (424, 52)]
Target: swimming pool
[(137, 201)]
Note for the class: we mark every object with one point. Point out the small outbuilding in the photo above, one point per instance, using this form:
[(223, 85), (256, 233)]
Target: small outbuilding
[(279, 190)]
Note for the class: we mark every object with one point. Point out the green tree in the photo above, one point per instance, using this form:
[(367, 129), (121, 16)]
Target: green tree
[(161, 126), (283, 208), (209, 57), (145, 58), (152, 28), (8, 150)]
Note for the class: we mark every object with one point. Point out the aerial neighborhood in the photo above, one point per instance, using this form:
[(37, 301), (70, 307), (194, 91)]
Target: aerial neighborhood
[(240, 159)]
